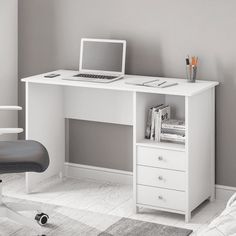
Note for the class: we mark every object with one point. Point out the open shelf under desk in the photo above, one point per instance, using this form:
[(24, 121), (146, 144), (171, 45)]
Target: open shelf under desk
[(162, 145)]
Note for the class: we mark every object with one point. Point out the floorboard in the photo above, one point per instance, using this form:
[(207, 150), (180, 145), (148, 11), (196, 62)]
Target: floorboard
[(103, 198)]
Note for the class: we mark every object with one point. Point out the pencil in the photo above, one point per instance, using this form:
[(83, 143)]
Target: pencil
[(188, 67)]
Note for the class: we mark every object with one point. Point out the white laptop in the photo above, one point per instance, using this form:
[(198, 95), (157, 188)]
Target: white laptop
[(101, 60)]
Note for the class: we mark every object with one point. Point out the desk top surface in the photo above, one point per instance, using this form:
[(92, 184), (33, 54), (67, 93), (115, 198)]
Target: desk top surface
[(183, 88)]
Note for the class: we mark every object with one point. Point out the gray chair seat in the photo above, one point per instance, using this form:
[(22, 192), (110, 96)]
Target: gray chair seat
[(22, 156)]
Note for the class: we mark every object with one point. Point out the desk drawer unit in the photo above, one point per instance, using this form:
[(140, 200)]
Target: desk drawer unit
[(161, 158), (162, 178), (161, 198)]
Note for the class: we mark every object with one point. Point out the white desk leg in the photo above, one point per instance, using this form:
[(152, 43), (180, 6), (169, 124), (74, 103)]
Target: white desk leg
[(45, 123), (134, 154), (213, 194), (188, 216), (61, 175)]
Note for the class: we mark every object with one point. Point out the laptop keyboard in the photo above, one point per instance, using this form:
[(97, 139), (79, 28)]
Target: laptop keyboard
[(92, 76)]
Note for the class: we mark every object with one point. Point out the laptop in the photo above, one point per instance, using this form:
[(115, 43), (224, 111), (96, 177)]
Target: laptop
[(101, 60)]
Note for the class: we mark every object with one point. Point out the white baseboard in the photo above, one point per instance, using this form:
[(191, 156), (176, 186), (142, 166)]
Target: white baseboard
[(98, 173), (124, 177), (224, 192)]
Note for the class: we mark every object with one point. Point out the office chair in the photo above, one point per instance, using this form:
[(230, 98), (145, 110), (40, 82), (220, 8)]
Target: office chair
[(18, 157)]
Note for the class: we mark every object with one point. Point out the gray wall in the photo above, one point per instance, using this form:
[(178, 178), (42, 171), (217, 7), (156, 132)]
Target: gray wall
[(159, 34), (100, 144)]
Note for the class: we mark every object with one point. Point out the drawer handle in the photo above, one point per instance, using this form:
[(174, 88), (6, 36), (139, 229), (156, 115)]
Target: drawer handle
[(160, 197), (160, 178), (160, 158)]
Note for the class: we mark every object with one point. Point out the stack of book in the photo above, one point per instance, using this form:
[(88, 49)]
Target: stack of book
[(156, 116), (173, 131)]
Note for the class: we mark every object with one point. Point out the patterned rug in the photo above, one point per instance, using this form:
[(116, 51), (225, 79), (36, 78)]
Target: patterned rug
[(65, 221), (130, 227)]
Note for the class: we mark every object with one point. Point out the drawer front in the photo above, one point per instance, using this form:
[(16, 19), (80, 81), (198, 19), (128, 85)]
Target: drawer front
[(161, 178), (161, 158), (163, 198)]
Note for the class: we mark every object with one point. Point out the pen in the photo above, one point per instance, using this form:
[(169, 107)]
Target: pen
[(161, 83), (194, 73), (149, 82), (187, 61), (197, 61), (193, 61), (169, 85)]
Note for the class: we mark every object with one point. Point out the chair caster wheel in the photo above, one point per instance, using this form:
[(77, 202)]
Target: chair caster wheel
[(42, 218)]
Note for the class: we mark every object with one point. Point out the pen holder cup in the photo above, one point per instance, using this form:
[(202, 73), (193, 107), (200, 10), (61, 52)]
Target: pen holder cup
[(191, 76)]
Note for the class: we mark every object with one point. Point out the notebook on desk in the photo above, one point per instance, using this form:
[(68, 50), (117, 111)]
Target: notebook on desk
[(101, 61), (150, 82)]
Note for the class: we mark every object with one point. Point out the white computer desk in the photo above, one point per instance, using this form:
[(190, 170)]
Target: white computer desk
[(169, 177)]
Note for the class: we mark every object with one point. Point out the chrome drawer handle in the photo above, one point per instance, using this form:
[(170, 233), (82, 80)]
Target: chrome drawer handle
[(160, 178), (160, 197), (160, 158)]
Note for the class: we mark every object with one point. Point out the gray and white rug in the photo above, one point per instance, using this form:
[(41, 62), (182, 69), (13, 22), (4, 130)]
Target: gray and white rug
[(65, 221), (130, 227)]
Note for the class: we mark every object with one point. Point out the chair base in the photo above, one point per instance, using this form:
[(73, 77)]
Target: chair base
[(11, 211)]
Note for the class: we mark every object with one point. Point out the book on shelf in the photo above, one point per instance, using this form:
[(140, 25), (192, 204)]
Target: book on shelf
[(177, 138), (156, 115), (162, 115), (155, 120), (149, 124), (150, 121), (173, 131), (173, 124), (160, 127)]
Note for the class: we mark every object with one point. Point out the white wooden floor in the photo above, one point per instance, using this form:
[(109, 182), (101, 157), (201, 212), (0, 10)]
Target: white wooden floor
[(105, 198)]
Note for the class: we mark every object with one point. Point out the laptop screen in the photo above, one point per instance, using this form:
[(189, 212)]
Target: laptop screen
[(102, 56)]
